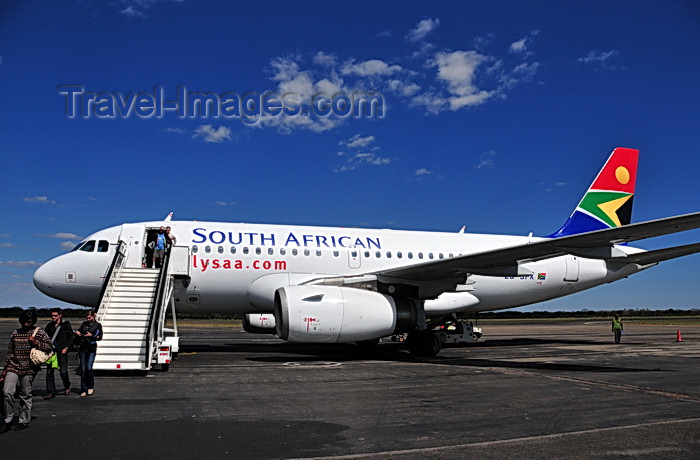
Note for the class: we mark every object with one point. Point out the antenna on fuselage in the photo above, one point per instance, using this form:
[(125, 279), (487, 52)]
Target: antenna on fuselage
[(168, 217), (461, 230)]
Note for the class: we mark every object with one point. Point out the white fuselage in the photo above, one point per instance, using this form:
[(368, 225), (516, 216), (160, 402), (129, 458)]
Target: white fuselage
[(236, 267)]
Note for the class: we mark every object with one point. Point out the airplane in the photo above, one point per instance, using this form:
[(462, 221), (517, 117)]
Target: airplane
[(338, 285)]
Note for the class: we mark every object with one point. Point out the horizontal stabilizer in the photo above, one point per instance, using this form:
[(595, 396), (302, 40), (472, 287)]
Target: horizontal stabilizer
[(659, 255)]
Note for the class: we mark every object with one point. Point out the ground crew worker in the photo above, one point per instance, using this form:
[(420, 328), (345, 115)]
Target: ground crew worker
[(617, 328)]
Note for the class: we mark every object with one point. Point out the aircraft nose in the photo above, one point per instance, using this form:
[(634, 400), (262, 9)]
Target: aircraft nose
[(43, 279)]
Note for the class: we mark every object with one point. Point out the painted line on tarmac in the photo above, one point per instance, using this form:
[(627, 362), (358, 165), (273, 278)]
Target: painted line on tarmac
[(428, 450), (613, 386)]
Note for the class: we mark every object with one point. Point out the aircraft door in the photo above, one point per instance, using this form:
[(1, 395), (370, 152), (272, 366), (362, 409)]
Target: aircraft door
[(133, 236), (354, 258), (572, 268)]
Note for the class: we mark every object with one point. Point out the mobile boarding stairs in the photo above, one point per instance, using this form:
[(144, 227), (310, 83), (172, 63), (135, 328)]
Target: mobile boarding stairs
[(133, 308)]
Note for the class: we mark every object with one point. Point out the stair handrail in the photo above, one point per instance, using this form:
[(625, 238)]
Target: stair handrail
[(161, 298), (112, 276)]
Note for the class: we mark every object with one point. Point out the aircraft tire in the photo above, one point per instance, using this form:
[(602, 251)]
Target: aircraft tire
[(423, 343)]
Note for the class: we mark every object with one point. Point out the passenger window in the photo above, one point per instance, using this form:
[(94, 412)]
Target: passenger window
[(295, 252), (399, 255), (207, 249), (354, 253), (306, 252), (410, 255), (195, 248), (270, 251), (378, 254), (258, 251), (430, 256), (336, 253), (283, 251), (103, 246), (440, 256), (318, 252), (420, 255), (388, 254), (245, 250), (233, 249), (89, 246), (221, 249), (366, 254)]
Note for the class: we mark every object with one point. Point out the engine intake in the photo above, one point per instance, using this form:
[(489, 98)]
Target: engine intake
[(332, 314)]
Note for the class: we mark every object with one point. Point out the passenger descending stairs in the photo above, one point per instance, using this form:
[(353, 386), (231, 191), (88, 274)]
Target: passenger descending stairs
[(125, 314)]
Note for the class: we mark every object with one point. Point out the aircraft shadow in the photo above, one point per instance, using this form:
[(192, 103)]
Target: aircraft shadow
[(396, 352)]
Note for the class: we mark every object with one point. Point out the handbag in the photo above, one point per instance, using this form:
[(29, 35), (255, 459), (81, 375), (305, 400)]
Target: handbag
[(39, 357)]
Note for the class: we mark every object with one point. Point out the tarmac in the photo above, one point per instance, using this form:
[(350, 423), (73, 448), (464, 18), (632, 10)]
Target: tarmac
[(562, 391)]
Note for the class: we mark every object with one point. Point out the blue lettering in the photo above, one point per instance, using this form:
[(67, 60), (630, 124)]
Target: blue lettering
[(359, 243), (371, 242), (307, 239), (251, 237), (340, 241), (230, 238), (320, 239), (196, 232), (292, 238), (264, 238), (211, 237)]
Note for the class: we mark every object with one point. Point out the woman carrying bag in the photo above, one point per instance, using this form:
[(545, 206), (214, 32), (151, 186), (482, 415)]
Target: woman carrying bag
[(86, 337)]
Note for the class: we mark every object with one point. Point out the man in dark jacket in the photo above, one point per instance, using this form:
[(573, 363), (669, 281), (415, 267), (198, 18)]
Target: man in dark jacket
[(19, 371), (62, 337)]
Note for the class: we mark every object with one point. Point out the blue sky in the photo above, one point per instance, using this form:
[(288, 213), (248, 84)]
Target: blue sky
[(497, 116)]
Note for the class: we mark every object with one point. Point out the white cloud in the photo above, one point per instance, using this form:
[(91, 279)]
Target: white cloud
[(362, 158), (422, 172), (423, 28), (486, 160), (5, 235), (19, 263), (211, 134), (38, 199), (370, 68), (604, 59), (357, 141), (385, 33), (67, 245), (175, 130), (457, 70), (61, 235), (325, 59), (7, 245), (225, 203)]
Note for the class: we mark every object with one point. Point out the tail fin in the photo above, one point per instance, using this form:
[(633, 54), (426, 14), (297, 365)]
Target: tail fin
[(608, 201)]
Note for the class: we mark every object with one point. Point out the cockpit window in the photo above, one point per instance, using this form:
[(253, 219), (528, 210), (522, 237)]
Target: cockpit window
[(77, 246), (103, 246), (89, 246)]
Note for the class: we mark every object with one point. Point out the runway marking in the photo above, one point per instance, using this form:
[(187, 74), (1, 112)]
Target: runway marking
[(614, 386), (424, 450), (313, 364)]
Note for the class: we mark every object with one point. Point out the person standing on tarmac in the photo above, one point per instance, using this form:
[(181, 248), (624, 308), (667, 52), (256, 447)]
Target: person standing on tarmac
[(617, 328), (89, 333), (61, 334), (19, 371)]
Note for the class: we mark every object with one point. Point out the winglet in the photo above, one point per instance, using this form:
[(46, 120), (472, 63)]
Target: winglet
[(608, 201)]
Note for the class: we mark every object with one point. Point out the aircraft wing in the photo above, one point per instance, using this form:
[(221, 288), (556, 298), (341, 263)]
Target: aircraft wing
[(596, 244)]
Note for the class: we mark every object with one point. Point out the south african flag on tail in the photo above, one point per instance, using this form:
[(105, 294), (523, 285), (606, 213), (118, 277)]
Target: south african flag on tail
[(608, 201)]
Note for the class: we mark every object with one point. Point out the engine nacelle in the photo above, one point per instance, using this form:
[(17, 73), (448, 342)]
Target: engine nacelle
[(331, 314), (259, 323)]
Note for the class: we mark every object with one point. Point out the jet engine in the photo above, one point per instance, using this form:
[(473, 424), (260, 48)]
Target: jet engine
[(332, 314), (259, 323)]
